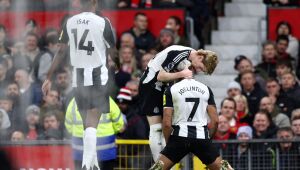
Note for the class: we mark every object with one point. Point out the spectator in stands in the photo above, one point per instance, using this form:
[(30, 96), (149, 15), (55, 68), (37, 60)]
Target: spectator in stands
[(296, 126), (127, 40), (4, 50), (251, 90), (242, 110), (267, 67), (223, 132), (283, 66), (3, 76), (295, 113), (51, 102), (4, 124), (285, 103), (30, 92), (233, 89), (145, 60), (237, 154), (263, 126), (31, 26), (228, 109), (288, 151), (174, 23), (143, 38), (17, 136), (136, 128), (5, 5), (7, 104), (278, 118), (32, 129), (243, 63), (63, 84), (51, 44), (282, 42), (57, 5), (128, 61), (285, 28), (37, 61), (165, 39), (51, 125), (291, 88)]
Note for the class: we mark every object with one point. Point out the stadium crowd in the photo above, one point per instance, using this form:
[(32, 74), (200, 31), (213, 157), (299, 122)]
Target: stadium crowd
[(263, 101)]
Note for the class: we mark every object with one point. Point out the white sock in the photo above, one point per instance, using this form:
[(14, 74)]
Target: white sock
[(155, 140), (89, 147)]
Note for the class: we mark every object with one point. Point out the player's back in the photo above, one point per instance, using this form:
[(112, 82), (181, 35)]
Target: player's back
[(87, 44), (190, 100)]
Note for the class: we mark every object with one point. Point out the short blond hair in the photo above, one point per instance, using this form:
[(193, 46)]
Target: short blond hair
[(210, 60)]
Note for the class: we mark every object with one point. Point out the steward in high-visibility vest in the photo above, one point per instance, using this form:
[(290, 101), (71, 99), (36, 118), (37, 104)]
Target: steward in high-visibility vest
[(109, 125)]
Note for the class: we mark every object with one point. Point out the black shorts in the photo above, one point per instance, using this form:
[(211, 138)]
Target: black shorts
[(90, 97), (151, 100), (177, 147)]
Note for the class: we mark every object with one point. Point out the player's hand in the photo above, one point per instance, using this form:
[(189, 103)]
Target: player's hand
[(186, 73), (46, 86)]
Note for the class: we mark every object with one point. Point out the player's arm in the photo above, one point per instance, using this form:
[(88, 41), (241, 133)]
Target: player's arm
[(167, 77), (168, 113), (109, 37), (213, 114), (58, 58)]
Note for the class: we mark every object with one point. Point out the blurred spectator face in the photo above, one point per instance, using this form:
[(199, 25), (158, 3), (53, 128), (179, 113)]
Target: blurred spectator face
[(288, 81), (12, 90), (62, 80), (281, 69), (17, 136), (228, 109), (223, 125), (248, 81), (2, 36), (243, 137), (261, 122), (272, 88), (18, 48), (171, 24), (31, 43), (166, 39), (233, 92), (283, 30), (269, 52), (31, 27), (240, 103), (126, 54), (51, 122), (282, 45), (51, 99), (127, 40), (3, 70), (296, 126), (134, 88), (32, 119), (244, 65), (145, 60), (6, 105), (22, 78), (266, 104), (5, 4), (286, 135), (141, 22)]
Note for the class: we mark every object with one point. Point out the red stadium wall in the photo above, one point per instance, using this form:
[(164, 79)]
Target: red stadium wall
[(291, 15), (40, 157), (121, 20)]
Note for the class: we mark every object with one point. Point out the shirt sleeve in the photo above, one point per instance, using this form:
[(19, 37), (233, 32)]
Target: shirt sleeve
[(211, 99), (64, 38), (174, 57), (108, 34), (168, 102)]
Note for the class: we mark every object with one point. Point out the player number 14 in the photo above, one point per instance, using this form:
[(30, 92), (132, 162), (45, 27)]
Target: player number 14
[(89, 48)]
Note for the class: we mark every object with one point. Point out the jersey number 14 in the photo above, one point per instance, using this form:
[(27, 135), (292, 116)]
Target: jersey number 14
[(89, 48)]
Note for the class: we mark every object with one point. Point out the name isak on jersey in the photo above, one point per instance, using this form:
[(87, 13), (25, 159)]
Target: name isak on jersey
[(83, 21)]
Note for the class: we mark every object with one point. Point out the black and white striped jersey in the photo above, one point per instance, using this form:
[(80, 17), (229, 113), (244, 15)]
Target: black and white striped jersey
[(167, 59), (89, 36), (189, 99)]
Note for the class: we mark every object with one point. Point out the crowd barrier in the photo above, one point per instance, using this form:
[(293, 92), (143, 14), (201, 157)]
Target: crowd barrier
[(136, 155)]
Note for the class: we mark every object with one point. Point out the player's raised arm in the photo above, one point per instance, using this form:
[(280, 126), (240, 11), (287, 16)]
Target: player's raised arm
[(167, 77), (213, 114)]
